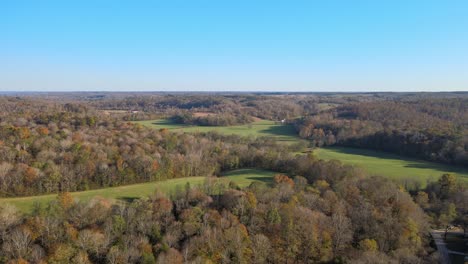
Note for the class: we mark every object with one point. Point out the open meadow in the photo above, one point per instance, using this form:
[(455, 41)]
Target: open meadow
[(261, 128), (241, 177), (390, 165)]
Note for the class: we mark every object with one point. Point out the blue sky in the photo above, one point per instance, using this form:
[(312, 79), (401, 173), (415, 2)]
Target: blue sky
[(233, 45)]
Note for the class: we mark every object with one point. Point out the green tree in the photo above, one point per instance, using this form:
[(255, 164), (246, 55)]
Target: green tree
[(448, 216), (448, 184), (273, 216)]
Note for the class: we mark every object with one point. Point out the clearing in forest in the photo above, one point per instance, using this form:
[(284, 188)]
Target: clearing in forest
[(241, 177), (391, 165), (260, 128)]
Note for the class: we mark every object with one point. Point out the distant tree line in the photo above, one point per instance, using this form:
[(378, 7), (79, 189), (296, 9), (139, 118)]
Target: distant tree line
[(211, 119), (233, 108), (434, 130)]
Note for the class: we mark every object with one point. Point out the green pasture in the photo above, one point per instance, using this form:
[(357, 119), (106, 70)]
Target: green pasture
[(262, 128), (129, 192), (390, 165)]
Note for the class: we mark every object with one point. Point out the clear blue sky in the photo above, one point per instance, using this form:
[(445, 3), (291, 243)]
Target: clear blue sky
[(406, 45)]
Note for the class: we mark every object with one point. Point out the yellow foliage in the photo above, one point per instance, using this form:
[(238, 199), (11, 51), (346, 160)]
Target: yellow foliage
[(368, 245), (72, 232), (410, 235), (62, 253), (321, 184), (65, 200), (251, 199)]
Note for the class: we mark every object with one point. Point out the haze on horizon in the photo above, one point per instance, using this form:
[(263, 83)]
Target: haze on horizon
[(234, 46)]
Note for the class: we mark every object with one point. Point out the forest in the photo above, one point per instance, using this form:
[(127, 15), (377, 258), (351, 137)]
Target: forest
[(313, 211), (430, 129)]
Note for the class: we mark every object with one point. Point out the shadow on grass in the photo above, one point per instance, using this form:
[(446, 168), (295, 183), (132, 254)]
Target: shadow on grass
[(264, 179), (238, 172), (284, 133), (280, 130), (128, 199), (168, 123)]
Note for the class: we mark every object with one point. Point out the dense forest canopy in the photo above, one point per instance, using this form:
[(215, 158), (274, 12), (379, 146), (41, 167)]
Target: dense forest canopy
[(315, 211)]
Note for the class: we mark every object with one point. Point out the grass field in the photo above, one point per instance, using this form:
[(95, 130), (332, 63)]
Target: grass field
[(129, 192), (262, 128), (375, 162), (389, 165)]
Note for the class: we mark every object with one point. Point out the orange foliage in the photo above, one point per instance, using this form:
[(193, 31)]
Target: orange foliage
[(34, 226), (71, 231), (42, 131), (18, 261), (243, 230), (76, 137), (155, 165), (30, 175), (281, 178), (145, 247), (119, 164), (162, 205), (24, 132)]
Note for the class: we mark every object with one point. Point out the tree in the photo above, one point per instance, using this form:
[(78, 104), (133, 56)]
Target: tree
[(281, 178), (9, 216), (261, 248), (18, 243), (65, 200), (342, 229), (5, 180), (448, 184), (448, 215), (273, 216), (422, 199), (171, 256)]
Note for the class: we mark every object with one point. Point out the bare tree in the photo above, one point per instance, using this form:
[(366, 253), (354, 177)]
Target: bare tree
[(261, 248), (18, 243), (9, 216), (5, 168)]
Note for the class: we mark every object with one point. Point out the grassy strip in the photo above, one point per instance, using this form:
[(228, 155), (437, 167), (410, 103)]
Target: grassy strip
[(129, 192)]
